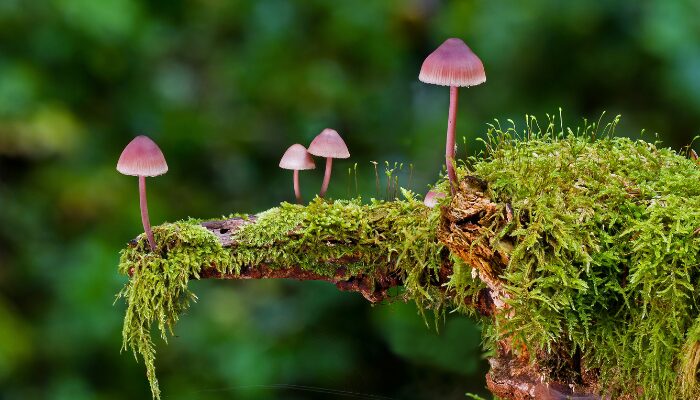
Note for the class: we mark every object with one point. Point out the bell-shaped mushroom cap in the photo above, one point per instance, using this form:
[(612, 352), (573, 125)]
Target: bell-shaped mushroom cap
[(452, 64), (431, 198), (142, 157), (328, 143), (297, 158)]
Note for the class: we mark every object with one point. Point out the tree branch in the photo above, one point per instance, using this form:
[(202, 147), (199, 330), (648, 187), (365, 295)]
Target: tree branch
[(461, 230), (462, 224), (375, 288)]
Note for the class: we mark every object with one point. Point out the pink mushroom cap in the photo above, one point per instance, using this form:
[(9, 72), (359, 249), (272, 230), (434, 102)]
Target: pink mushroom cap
[(297, 158), (329, 144), (142, 157), (452, 64), (431, 198)]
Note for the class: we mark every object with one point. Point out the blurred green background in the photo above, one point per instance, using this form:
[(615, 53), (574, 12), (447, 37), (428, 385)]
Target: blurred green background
[(224, 87)]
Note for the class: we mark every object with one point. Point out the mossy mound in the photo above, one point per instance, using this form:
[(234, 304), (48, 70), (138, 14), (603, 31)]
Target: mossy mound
[(606, 256)]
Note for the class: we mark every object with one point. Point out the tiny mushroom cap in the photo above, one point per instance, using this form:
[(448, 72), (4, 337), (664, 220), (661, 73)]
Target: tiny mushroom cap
[(431, 198), (142, 157), (452, 64), (329, 144), (297, 158)]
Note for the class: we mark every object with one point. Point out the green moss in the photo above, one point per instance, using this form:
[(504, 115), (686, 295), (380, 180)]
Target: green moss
[(400, 234), (157, 293), (605, 257)]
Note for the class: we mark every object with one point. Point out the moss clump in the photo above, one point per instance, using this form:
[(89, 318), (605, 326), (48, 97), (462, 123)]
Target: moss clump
[(400, 235), (606, 257), (157, 291)]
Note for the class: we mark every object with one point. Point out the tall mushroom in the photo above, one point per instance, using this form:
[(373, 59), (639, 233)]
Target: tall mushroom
[(297, 158), (142, 158), (452, 64), (328, 144)]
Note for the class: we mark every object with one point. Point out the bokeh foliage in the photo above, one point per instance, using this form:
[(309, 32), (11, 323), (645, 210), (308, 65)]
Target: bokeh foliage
[(224, 87)]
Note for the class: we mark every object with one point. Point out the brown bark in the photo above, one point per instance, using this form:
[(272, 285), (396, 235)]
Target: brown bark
[(373, 288)]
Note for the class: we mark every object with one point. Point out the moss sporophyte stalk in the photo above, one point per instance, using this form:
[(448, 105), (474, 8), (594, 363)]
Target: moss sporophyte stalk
[(603, 256)]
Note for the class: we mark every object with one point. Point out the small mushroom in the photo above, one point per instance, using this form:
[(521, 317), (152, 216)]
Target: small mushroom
[(328, 144), (142, 158), (297, 158), (452, 64), (431, 198)]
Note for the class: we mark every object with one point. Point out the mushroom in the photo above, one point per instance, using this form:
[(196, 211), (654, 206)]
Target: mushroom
[(452, 64), (297, 158), (142, 158), (328, 144), (431, 198)]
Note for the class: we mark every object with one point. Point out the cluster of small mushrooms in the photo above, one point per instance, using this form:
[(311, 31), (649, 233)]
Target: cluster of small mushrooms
[(326, 144), (452, 64)]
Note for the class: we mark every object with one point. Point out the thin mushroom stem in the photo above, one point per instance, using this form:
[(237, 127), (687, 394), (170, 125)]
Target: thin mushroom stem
[(297, 191), (326, 176), (144, 212), (450, 144)]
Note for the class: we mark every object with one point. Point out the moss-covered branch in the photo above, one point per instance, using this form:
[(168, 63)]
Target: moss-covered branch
[(374, 282), (381, 250), (583, 253)]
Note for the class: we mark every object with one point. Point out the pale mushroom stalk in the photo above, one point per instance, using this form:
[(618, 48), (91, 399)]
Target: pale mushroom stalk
[(297, 191), (326, 176), (143, 203), (450, 144)]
